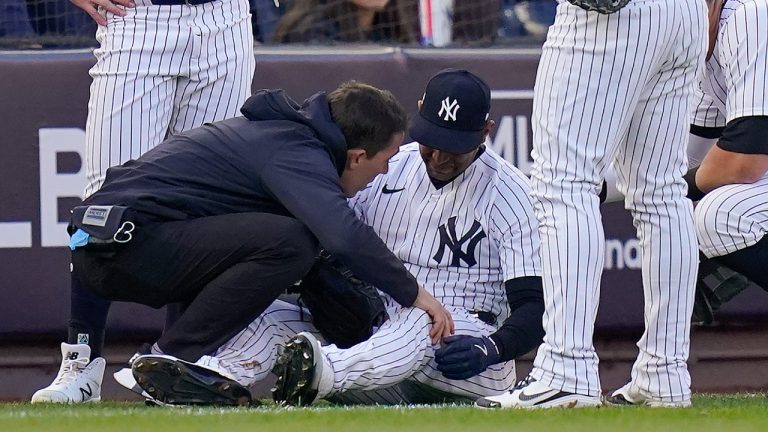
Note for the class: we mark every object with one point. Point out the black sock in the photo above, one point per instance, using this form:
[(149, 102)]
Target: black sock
[(88, 317), (751, 262)]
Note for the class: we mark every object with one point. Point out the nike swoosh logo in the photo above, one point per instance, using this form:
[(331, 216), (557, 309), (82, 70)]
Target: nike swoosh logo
[(483, 349), (526, 397), (387, 190)]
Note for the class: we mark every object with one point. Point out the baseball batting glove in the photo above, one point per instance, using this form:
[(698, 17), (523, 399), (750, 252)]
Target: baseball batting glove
[(463, 356), (600, 6)]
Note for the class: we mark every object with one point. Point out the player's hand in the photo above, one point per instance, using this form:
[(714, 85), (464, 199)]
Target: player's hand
[(91, 7), (463, 357), (442, 322)]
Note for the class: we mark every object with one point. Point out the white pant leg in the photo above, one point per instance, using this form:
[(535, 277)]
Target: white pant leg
[(593, 71), (250, 355), (220, 67), (495, 380), (162, 70), (650, 168), (732, 218), (392, 354), (133, 88), (397, 365)]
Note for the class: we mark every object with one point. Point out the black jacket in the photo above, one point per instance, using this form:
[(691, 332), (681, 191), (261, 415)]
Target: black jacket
[(280, 158)]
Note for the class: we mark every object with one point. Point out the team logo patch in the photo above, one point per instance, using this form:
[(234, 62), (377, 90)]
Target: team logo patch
[(83, 338), (449, 240), (449, 108)]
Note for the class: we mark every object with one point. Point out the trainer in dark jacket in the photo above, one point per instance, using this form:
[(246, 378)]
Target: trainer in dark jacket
[(230, 214)]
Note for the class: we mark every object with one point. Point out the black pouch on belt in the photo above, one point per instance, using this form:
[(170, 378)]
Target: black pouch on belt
[(104, 224)]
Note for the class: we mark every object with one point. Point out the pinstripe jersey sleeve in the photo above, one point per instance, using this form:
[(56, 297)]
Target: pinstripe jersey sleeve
[(743, 57), (706, 113), (360, 202), (513, 227)]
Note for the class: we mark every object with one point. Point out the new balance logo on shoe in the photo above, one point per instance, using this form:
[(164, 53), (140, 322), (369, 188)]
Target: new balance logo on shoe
[(86, 394)]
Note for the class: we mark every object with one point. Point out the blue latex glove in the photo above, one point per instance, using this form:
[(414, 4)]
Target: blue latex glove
[(463, 356)]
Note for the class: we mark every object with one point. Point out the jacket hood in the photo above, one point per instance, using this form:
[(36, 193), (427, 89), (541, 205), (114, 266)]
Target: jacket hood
[(313, 112)]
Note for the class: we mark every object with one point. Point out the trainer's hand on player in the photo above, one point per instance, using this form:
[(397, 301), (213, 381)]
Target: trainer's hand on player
[(462, 357), (91, 8), (442, 322)]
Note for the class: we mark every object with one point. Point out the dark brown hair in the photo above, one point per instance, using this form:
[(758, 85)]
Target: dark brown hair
[(367, 116)]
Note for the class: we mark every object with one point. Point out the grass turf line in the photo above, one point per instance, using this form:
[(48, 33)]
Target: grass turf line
[(709, 413)]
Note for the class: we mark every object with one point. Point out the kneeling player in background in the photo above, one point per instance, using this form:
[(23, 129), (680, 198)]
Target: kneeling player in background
[(731, 184)]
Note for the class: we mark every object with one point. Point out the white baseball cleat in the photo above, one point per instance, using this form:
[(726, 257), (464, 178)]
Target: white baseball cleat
[(626, 396), (78, 381), (531, 394)]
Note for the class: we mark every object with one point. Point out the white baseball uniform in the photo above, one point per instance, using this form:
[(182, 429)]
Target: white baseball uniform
[(735, 83), (161, 70), (461, 241), (616, 88)]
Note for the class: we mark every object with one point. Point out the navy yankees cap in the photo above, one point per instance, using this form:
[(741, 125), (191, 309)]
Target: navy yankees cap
[(453, 113)]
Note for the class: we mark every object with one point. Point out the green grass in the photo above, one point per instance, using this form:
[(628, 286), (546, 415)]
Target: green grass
[(709, 413)]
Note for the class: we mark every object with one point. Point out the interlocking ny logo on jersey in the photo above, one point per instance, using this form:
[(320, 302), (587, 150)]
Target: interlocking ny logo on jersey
[(449, 107), (448, 239)]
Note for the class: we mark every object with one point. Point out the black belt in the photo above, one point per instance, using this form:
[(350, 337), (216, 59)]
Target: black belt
[(486, 317), (180, 2)]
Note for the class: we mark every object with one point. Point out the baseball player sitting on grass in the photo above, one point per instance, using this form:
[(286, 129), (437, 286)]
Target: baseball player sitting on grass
[(460, 218), (224, 217)]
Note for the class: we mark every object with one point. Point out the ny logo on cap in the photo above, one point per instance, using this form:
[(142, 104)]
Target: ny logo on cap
[(449, 107)]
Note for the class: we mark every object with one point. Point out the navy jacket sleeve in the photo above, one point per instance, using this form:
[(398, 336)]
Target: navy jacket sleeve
[(303, 179)]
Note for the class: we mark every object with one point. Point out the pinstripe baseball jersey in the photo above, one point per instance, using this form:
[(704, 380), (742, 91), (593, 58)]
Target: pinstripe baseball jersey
[(735, 83), (461, 241)]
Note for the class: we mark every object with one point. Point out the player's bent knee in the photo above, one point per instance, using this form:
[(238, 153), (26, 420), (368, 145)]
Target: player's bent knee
[(708, 214)]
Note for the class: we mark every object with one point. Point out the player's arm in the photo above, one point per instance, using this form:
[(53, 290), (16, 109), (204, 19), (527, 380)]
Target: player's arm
[(514, 229), (740, 156), (91, 7)]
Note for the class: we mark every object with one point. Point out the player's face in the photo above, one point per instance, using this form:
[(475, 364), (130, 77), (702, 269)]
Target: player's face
[(444, 166), (361, 169)]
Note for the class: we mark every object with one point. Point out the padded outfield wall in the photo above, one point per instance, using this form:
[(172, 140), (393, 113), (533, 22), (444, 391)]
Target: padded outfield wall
[(43, 106)]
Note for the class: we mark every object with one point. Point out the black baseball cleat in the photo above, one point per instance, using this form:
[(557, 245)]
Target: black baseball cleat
[(298, 369), (176, 382), (616, 398), (625, 395)]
